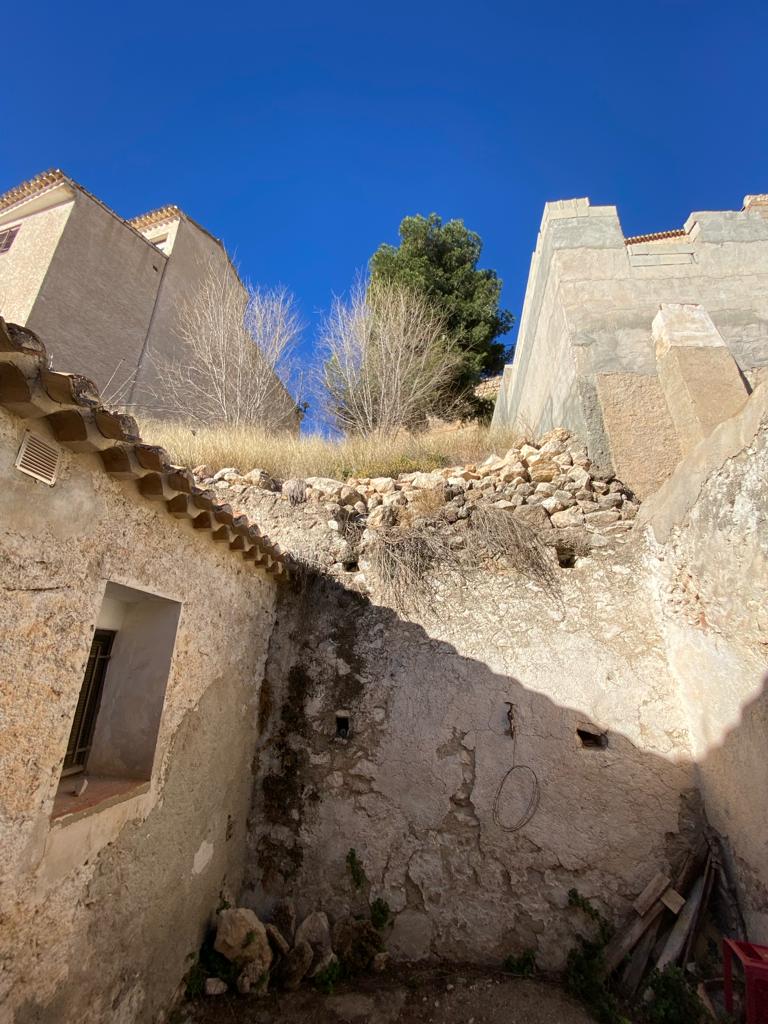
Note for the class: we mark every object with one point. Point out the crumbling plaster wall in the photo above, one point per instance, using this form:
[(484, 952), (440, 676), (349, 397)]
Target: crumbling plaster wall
[(709, 527), (99, 915), (412, 789)]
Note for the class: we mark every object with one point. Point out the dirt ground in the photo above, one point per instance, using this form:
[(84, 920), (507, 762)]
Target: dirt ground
[(401, 996)]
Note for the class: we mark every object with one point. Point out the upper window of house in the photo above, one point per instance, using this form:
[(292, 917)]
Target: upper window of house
[(6, 238), (161, 243)]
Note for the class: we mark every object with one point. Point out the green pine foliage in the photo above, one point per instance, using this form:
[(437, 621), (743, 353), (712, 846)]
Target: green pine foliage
[(440, 260)]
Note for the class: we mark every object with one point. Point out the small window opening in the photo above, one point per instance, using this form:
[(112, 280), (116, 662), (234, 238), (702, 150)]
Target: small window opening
[(566, 559), (342, 727), (592, 739), (113, 736), (349, 565), (7, 237)]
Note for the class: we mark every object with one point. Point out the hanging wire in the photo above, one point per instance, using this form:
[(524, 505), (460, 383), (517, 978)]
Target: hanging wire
[(521, 769)]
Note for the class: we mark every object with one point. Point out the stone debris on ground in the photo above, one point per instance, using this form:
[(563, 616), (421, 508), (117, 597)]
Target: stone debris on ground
[(550, 486), (263, 958), (407, 994)]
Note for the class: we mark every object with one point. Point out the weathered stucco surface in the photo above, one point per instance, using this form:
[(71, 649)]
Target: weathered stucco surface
[(710, 528), (99, 914), (24, 266), (412, 789)]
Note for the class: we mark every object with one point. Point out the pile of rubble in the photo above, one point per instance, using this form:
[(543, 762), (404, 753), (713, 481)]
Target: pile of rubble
[(555, 475), (550, 486), (253, 956)]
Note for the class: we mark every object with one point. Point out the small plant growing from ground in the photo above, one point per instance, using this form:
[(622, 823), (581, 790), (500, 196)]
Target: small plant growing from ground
[(522, 966), (356, 869), (585, 966), (380, 914), (674, 1001), (210, 964), (327, 979)]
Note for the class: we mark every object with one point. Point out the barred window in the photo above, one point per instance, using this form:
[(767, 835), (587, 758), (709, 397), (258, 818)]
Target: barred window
[(6, 238), (81, 736)]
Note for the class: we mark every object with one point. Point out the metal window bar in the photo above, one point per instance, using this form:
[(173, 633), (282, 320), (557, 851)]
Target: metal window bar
[(7, 237), (81, 735)]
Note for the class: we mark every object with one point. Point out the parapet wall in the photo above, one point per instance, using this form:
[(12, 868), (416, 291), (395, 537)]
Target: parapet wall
[(585, 357)]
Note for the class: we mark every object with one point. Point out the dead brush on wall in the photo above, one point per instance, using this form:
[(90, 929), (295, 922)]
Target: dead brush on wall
[(496, 536), (411, 560)]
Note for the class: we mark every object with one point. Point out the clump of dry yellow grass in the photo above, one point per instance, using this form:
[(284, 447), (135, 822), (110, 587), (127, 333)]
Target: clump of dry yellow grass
[(284, 455)]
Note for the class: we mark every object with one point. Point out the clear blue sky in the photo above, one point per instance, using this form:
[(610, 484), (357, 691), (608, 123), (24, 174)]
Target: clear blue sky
[(301, 133)]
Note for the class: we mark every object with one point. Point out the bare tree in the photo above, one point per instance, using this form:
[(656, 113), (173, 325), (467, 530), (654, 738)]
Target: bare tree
[(387, 359), (236, 354)]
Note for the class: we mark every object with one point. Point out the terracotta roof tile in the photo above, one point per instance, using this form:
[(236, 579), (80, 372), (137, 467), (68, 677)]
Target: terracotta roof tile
[(30, 188), (71, 406), (656, 236), (148, 220)]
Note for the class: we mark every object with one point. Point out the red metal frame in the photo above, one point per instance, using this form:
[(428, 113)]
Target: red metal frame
[(754, 960)]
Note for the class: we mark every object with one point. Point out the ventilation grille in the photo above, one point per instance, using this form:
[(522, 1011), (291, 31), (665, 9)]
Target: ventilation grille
[(39, 458)]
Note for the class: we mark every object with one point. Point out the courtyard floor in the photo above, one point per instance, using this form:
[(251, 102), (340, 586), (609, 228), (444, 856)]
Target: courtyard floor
[(401, 996)]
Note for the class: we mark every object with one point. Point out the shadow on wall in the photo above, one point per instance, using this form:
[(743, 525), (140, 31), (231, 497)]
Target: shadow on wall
[(472, 835)]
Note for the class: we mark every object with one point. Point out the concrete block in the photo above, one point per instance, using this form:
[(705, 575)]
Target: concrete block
[(699, 376)]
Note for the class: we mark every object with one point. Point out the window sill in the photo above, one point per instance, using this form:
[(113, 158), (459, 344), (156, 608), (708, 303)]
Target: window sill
[(102, 791)]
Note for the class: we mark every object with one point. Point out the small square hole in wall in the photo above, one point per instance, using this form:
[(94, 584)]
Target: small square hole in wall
[(592, 738), (342, 726)]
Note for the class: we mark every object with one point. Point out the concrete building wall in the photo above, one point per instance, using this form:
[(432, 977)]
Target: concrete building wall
[(102, 907), (415, 789), (194, 255), (98, 294), (709, 526), (24, 266), (588, 310)]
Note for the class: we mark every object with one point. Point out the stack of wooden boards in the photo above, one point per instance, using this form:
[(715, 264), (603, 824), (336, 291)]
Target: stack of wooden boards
[(668, 916)]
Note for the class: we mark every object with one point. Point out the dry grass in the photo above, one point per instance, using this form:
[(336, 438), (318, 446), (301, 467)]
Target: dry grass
[(408, 560), (285, 456)]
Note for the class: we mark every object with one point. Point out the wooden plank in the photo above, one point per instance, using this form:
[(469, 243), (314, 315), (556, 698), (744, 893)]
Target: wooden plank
[(621, 945), (673, 901), (633, 973), (657, 885), (676, 941), (708, 882)]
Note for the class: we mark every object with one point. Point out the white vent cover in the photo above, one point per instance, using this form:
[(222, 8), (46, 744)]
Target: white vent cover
[(39, 458)]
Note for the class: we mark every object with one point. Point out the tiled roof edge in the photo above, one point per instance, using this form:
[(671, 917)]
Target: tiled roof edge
[(72, 407), (29, 188), (656, 236), (147, 220)]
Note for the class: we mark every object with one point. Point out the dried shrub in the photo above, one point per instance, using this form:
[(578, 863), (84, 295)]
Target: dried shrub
[(410, 559), (495, 534)]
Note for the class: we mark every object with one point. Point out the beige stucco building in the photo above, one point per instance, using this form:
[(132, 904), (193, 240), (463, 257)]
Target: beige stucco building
[(592, 354), (109, 289)]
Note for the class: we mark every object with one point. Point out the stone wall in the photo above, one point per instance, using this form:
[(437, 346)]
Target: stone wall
[(709, 528), (102, 909), (415, 787)]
